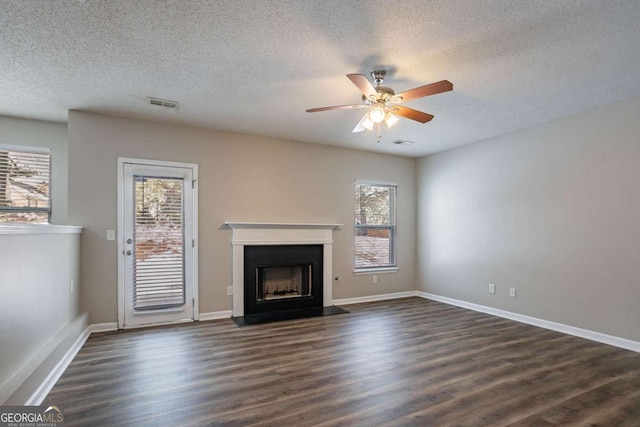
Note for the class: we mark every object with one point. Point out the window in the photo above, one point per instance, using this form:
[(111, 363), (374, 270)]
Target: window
[(24, 186), (375, 226)]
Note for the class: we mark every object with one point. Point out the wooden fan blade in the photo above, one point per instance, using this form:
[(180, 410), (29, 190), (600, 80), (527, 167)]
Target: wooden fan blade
[(337, 107), (412, 114), (363, 83), (426, 90)]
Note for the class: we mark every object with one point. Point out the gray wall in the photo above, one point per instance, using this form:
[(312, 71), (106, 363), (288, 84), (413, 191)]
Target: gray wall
[(553, 211), (37, 308), (242, 178), (36, 133)]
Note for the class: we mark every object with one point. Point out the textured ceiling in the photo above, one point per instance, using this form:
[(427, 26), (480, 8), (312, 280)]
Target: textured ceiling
[(255, 66)]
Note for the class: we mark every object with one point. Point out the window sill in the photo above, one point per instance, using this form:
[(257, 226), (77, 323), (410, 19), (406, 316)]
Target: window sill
[(375, 270)]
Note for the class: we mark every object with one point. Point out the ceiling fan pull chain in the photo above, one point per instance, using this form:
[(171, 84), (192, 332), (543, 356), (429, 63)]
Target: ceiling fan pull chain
[(379, 133)]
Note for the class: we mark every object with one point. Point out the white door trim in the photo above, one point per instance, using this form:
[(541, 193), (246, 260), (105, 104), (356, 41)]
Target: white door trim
[(120, 229)]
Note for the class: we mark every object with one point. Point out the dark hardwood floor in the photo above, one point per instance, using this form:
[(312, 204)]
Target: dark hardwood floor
[(401, 362)]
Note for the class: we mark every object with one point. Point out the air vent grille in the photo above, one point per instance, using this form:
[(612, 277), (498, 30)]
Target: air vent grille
[(401, 142), (163, 103)]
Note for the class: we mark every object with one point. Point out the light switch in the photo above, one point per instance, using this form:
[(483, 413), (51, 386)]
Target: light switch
[(111, 234)]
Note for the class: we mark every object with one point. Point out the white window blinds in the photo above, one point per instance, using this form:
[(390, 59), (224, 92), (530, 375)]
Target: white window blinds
[(159, 243), (375, 226), (25, 186)]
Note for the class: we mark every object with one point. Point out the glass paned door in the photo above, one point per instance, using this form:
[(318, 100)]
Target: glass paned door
[(158, 244)]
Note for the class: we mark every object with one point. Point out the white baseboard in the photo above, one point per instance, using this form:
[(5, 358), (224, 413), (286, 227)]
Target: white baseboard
[(554, 326), (40, 357), (373, 298), (102, 327), (215, 315), (54, 375), (45, 387)]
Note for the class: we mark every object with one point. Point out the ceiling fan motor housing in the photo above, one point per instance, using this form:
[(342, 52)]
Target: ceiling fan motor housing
[(378, 76), (383, 94)]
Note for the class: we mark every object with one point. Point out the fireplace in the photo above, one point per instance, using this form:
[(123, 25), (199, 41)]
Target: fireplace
[(273, 240), (282, 277), (280, 282)]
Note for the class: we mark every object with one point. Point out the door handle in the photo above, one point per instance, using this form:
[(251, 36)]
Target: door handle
[(128, 252)]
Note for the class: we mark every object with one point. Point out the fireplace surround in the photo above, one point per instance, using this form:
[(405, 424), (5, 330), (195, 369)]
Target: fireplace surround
[(274, 235)]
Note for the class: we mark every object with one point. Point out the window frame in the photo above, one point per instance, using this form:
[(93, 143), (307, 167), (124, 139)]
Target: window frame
[(392, 265), (23, 149)]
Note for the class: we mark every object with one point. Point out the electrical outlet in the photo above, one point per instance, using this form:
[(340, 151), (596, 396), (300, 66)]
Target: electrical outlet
[(512, 292), (492, 288), (229, 290), (375, 279)]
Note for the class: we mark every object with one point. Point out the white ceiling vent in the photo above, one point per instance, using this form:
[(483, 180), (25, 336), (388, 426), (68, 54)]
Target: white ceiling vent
[(163, 103), (401, 142)]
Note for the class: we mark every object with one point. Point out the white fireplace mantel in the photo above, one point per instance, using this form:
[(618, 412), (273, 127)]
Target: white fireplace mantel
[(261, 233)]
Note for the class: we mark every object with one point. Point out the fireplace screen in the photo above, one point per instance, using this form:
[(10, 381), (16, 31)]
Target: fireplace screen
[(279, 282)]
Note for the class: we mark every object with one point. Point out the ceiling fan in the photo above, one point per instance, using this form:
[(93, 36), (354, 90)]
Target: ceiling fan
[(382, 101)]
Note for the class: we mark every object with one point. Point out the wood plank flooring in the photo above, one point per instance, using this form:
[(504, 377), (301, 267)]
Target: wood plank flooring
[(393, 363)]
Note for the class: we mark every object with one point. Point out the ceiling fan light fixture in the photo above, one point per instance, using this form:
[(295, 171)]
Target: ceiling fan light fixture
[(390, 119), (367, 122), (377, 114), (363, 124)]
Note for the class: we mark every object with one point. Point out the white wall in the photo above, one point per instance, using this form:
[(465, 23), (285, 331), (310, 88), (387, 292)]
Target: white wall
[(36, 133), (242, 178), (553, 211), (37, 308)]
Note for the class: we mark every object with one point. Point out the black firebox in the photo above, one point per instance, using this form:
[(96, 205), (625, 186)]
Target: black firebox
[(282, 278)]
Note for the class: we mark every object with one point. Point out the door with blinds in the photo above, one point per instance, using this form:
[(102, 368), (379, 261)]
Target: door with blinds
[(158, 244)]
